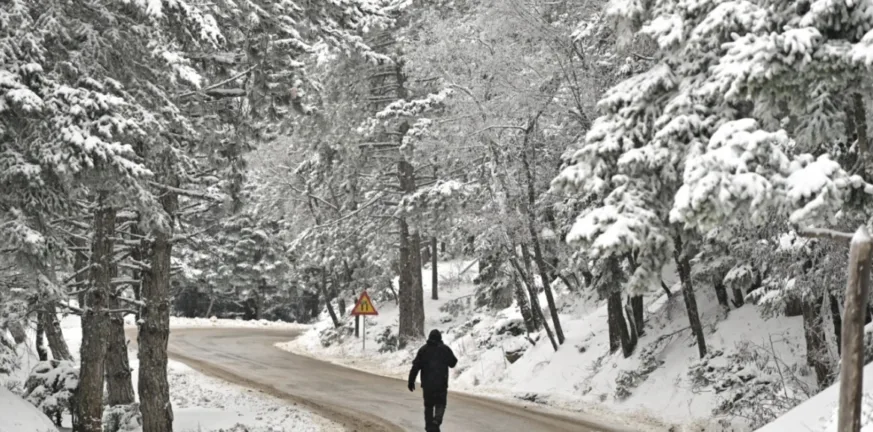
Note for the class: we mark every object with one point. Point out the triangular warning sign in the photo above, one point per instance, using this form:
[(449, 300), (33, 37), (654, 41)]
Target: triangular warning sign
[(364, 306)]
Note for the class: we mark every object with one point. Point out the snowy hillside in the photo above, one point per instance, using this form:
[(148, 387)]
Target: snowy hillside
[(663, 383)]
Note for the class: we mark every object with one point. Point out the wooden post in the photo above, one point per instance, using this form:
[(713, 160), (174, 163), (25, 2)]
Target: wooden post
[(434, 280), (852, 367), (357, 326)]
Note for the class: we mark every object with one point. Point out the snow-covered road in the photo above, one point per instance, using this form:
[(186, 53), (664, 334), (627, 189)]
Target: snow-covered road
[(359, 400)]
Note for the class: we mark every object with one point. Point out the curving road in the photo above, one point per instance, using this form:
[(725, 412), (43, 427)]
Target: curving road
[(358, 400)]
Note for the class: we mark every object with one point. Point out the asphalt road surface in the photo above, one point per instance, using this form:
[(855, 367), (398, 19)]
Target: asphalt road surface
[(358, 400)]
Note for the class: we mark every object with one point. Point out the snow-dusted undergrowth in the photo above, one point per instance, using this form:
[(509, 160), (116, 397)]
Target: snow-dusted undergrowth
[(663, 384)]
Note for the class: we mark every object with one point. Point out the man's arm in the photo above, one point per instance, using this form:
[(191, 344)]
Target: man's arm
[(413, 373), (452, 360)]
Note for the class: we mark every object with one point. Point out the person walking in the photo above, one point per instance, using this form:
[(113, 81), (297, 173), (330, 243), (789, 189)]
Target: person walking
[(433, 361)]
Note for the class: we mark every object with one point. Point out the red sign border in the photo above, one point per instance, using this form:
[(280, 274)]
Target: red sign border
[(358, 303)]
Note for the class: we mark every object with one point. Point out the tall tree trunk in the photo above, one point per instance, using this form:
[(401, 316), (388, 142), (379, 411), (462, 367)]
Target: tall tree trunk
[(411, 294), (418, 287), (434, 276), (79, 263), (95, 324), (539, 259), (547, 288), (523, 305), (683, 263), (638, 313), (53, 333), (154, 327), (721, 292), (633, 332), (521, 298), (425, 254), (527, 276), (816, 344), (119, 384), (208, 309), (837, 321), (406, 282), (40, 342), (328, 299), (618, 334), (137, 254)]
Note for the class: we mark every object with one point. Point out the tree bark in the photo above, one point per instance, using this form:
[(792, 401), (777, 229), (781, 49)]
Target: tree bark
[(522, 300), (683, 263), (327, 299), (80, 262), (119, 384), (418, 287), (638, 313), (527, 277), (618, 334), (40, 342), (406, 282), (95, 325), (53, 333), (137, 275), (411, 296), (434, 276), (721, 292), (816, 344), (837, 322), (633, 332), (154, 327), (547, 288)]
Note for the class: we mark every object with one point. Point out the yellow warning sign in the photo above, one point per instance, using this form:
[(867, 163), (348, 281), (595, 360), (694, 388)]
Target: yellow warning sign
[(364, 306)]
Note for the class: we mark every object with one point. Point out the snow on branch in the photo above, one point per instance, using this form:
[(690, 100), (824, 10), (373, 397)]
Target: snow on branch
[(746, 171), (412, 108), (438, 196)]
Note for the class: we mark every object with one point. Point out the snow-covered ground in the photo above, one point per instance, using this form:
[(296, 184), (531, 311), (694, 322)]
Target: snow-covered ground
[(663, 384), (16, 415), (200, 403)]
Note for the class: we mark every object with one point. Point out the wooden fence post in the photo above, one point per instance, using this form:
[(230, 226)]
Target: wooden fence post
[(852, 363)]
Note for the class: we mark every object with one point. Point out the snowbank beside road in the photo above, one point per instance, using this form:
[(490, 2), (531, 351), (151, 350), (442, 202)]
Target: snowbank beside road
[(179, 322)]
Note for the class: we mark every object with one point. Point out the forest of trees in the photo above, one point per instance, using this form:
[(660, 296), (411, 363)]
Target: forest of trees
[(271, 159)]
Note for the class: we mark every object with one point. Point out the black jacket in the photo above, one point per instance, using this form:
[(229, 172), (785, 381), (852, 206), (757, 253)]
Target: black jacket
[(433, 361)]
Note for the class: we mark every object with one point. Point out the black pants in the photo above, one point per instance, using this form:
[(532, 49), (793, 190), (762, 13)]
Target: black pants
[(434, 409)]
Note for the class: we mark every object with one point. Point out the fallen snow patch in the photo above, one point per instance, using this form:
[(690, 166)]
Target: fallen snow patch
[(16, 415)]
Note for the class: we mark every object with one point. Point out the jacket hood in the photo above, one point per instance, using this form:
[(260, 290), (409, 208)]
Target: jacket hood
[(435, 337)]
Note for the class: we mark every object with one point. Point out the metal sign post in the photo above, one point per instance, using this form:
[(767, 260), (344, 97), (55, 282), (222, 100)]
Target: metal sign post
[(364, 307)]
